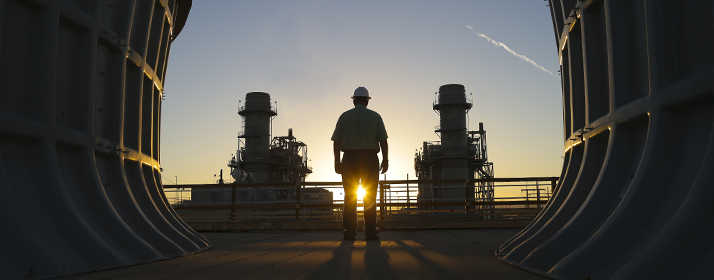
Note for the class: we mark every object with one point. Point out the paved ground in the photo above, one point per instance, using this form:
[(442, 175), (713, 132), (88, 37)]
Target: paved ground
[(433, 254)]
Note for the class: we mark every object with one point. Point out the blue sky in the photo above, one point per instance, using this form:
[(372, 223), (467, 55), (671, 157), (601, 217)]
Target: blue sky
[(310, 55)]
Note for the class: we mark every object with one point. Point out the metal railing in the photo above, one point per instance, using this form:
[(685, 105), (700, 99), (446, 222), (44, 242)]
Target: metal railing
[(513, 197)]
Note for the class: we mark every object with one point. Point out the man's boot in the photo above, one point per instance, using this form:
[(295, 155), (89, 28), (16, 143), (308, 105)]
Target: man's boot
[(371, 234), (349, 235)]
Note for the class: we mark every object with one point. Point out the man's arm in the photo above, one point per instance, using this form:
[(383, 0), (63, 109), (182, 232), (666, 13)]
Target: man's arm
[(385, 155), (336, 151), (336, 148)]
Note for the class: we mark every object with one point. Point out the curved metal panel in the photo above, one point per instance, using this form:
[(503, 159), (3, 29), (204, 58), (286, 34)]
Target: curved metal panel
[(604, 197), (82, 83), (595, 151), (640, 208), (566, 184)]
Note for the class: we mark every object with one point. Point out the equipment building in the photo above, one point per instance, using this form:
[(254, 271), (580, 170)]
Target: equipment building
[(279, 165)]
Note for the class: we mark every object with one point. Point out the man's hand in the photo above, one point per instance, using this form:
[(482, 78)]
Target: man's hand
[(385, 155), (338, 166)]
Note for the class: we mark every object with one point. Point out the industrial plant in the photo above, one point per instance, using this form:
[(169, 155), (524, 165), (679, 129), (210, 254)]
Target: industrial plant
[(447, 168), (81, 102), (265, 169)]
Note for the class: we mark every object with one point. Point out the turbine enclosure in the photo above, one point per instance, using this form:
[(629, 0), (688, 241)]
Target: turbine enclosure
[(80, 109), (636, 190)]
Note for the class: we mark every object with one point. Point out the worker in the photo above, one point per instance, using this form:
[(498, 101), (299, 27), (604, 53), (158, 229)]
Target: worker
[(360, 134)]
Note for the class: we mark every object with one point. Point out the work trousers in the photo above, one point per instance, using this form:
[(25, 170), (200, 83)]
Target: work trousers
[(356, 165)]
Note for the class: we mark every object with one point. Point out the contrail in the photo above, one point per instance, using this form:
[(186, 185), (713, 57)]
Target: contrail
[(509, 50)]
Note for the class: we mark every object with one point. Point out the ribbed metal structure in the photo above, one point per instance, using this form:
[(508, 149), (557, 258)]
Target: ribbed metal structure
[(636, 194), (80, 99)]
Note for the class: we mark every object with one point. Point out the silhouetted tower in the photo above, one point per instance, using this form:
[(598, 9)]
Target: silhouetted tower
[(257, 113), (452, 107), (446, 169)]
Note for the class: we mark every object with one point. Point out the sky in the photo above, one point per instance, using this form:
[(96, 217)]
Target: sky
[(311, 55)]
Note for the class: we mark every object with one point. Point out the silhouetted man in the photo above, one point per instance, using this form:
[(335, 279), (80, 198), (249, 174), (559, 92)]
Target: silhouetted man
[(359, 134)]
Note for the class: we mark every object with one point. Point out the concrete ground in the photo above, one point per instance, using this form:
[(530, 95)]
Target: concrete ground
[(432, 254)]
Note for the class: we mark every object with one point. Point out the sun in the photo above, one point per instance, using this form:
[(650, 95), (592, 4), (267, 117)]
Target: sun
[(361, 192)]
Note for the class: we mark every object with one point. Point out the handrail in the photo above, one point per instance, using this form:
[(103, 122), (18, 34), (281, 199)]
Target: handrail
[(387, 200), (292, 204), (339, 183)]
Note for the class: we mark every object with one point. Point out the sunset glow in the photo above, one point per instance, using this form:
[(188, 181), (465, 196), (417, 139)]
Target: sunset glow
[(361, 192), (312, 59)]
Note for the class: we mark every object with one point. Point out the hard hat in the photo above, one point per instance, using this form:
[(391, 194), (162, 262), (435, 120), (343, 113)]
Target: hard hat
[(361, 92)]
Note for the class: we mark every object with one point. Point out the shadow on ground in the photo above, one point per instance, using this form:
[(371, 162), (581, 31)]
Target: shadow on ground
[(434, 254)]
